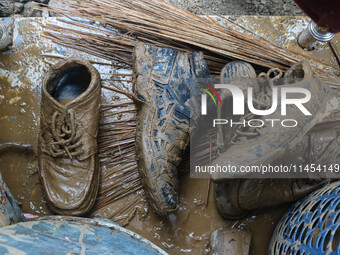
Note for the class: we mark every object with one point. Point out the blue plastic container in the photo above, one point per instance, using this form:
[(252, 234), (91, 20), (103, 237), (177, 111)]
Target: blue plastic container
[(311, 226), (72, 235)]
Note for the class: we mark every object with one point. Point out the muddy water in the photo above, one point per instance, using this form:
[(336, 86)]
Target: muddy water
[(19, 110), (188, 230), (21, 71)]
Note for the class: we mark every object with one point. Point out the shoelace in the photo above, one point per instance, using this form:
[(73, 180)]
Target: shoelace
[(262, 101), (66, 141)]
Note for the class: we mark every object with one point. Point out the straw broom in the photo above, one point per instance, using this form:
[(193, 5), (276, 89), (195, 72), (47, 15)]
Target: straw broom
[(121, 191), (110, 29), (123, 22), (158, 22)]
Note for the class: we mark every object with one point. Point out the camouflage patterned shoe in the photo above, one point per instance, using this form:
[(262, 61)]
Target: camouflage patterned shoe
[(166, 102)]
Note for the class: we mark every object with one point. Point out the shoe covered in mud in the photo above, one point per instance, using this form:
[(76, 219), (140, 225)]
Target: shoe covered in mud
[(245, 76), (166, 102), (320, 146), (237, 198), (67, 154), (255, 146)]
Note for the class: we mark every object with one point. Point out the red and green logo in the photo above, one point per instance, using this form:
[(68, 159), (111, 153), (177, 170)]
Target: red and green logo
[(209, 93)]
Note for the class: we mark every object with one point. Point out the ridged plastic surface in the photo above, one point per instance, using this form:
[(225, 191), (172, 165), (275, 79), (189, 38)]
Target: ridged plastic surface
[(311, 226)]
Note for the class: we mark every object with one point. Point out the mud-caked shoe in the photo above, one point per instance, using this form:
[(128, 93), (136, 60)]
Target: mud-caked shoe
[(235, 199), (262, 144), (244, 75), (318, 152), (166, 101), (238, 197), (67, 154)]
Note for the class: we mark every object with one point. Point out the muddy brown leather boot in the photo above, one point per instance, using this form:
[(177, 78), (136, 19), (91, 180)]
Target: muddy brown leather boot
[(262, 146), (236, 199), (166, 102), (320, 146), (67, 154)]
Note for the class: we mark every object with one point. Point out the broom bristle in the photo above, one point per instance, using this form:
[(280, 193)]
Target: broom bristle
[(122, 22), (120, 179)]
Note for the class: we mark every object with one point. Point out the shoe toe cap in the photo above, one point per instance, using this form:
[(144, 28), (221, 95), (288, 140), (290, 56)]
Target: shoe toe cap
[(164, 199), (68, 182), (161, 187), (224, 204)]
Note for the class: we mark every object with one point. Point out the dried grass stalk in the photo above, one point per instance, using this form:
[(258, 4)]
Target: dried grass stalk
[(122, 22)]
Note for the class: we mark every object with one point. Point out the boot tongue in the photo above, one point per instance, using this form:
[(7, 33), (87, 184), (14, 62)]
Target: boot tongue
[(262, 91), (64, 101)]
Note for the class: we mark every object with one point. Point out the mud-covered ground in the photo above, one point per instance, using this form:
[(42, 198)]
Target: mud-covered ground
[(241, 7)]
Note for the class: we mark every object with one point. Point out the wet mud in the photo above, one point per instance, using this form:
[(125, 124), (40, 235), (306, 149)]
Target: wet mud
[(186, 231), (18, 162)]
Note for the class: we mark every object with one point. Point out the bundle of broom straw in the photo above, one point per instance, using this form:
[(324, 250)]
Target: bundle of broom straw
[(122, 22), (109, 29)]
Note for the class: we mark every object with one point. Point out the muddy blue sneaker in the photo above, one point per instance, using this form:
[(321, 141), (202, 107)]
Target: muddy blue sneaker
[(163, 87)]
